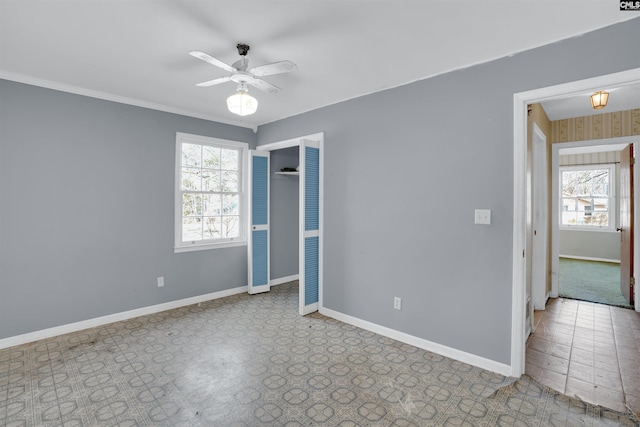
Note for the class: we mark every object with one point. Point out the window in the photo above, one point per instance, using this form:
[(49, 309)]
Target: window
[(210, 196), (587, 197)]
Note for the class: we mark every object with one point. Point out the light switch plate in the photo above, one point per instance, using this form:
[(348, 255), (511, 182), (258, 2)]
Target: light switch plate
[(483, 216)]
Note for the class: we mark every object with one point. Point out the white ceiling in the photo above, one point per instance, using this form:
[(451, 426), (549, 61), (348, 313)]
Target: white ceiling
[(136, 51), (620, 98)]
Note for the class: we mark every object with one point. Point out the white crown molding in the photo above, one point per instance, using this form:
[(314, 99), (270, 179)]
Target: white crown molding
[(33, 81)]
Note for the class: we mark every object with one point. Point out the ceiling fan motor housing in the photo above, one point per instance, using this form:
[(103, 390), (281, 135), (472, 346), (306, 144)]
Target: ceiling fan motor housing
[(243, 49)]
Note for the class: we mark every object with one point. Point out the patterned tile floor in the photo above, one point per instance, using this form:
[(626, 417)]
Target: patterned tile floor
[(587, 350), (252, 361)]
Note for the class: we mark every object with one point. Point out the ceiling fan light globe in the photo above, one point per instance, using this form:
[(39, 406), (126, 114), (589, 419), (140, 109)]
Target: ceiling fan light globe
[(242, 104)]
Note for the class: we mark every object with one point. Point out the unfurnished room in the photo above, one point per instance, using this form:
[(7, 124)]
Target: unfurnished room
[(319, 213)]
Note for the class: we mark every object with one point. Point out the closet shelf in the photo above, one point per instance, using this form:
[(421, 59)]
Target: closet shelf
[(287, 173)]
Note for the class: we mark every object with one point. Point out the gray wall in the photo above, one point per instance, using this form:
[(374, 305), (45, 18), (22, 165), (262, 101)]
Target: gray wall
[(404, 171), (86, 210), (590, 244), (284, 214)]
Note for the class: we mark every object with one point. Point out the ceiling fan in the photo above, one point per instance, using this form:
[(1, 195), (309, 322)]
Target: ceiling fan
[(239, 72), (241, 102)]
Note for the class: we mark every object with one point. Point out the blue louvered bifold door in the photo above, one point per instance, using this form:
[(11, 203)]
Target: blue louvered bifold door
[(310, 256), (258, 248)]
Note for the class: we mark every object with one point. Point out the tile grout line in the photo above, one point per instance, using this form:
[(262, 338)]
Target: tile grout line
[(573, 334), (615, 346)]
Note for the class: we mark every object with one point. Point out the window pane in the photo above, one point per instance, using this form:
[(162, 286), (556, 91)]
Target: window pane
[(210, 157), (231, 227), (600, 190), (231, 204), (230, 181), (210, 180), (586, 197), (212, 205), (191, 154), (191, 229), (191, 179), (600, 219), (191, 205), (212, 227), (569, 218), (568, 205), (582, 190), (601, 205), (229, 159), (568, 183)]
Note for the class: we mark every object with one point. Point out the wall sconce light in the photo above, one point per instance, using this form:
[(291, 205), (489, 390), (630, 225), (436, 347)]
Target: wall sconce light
[(599, 99)]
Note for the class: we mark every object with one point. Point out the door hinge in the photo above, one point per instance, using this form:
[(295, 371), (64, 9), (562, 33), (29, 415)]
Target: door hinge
[(632, 281), (523, 253)]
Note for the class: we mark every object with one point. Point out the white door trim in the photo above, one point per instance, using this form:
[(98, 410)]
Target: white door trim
[(539, 247), (555, 198), (520, 102), (316, 140)]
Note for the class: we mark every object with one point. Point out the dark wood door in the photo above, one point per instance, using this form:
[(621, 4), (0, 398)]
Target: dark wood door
[(626, 223)]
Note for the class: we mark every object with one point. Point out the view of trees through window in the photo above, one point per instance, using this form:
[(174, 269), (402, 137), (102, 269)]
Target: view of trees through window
[(210, 190), (586, 197)]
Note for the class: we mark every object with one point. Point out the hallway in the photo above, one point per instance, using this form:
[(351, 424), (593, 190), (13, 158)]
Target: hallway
[(587, 350)]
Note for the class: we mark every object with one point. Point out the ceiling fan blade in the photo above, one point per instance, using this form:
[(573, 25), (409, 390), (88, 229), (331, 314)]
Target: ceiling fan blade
[(275, 68), (211, 60), (267, 87), (214, 82)]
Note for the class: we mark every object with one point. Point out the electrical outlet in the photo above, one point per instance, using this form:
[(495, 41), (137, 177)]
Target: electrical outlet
[(160, 282), (397, 303)]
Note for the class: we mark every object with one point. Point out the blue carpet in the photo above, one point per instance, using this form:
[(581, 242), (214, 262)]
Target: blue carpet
[(591, 281)]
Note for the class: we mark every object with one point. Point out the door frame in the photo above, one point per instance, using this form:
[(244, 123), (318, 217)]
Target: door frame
[(296, 142), (555, 196), (520, 102), (539, 247)]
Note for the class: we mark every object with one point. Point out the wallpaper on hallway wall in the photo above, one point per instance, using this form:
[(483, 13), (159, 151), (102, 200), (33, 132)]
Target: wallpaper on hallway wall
[(606, 125)]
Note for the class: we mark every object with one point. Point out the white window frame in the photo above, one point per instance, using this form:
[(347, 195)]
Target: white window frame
[(179, 245), (612, 198)]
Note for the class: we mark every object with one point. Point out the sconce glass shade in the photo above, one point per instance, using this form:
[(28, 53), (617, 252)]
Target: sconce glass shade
[(599, 100), (242, 104)]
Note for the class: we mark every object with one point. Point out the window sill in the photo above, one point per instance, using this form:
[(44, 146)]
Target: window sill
[(597, 230), (207, 246)]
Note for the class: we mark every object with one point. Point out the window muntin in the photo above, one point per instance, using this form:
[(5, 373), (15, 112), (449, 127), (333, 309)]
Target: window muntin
[(209, 192), (587, 197)]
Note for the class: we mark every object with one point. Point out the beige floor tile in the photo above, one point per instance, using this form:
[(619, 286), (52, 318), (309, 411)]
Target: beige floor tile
[(604, 357), (611, 380), (582, 372), (610, 398), (581, 389), (633, 402), (555, 380)]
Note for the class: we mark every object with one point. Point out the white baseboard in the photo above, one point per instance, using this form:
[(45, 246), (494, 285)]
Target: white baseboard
[(462, 356), (286, 279), (116, 317), (587, 258)]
